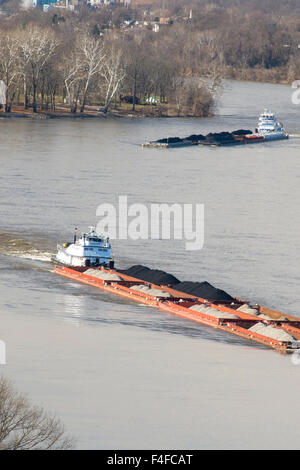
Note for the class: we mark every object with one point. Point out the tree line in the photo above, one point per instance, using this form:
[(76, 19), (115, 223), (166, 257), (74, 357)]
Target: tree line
[(37, 66), (41, 68), (87, 56)]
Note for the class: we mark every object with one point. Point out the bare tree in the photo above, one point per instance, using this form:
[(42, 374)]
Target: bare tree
[(135, 57), (26, 427), (72, 76), (49, 84), (9, 71), (113, 74), (37, 46), (92, 57), (178, 93)]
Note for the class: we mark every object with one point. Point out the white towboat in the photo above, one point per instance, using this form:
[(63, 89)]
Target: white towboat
[(89, 250), (269, 127)]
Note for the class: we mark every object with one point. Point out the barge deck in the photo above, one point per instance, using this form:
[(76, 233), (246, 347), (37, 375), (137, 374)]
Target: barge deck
[(229, 317)]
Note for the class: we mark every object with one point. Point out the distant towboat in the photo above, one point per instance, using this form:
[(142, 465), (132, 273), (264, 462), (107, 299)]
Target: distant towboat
[(268, 128)]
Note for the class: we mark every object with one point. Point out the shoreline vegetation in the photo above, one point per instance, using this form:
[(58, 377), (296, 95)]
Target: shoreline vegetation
[(24, 426), (93, 112), (151, 58)]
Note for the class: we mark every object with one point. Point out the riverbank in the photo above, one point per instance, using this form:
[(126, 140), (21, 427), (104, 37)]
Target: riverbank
[(50, 115), (160, 110), (92, 112), (157, 113)]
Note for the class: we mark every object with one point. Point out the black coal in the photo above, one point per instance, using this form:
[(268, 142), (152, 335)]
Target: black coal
[(197, 289)]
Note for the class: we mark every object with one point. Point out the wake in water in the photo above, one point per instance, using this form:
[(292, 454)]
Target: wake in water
[(12, 245)]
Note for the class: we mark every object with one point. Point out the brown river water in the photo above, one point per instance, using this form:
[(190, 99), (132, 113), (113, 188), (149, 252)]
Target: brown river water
[(123, 375)]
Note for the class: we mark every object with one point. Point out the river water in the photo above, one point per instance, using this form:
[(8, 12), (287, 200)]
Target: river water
[(123, 375)]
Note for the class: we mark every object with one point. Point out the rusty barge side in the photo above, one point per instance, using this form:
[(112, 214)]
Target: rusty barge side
[(179, 303)]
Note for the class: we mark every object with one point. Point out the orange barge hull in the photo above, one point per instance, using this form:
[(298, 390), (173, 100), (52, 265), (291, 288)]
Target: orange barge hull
[(179, 304)]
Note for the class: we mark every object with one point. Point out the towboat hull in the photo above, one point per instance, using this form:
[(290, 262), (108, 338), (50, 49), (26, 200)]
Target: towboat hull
[(275, 136), (83, 265), (89, 250)]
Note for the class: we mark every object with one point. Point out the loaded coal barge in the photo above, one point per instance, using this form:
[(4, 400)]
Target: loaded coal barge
[(196, 301), (268, 129)]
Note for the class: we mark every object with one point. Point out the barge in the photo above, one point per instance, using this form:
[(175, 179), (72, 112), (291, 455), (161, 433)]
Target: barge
[(255, 323), (268, 129)]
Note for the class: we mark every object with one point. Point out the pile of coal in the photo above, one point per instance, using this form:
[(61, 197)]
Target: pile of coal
[(155, 276), (169, 140), (219, 137), (203, 290), (195, 137), (135, 271), (241, 132), (196, 289)]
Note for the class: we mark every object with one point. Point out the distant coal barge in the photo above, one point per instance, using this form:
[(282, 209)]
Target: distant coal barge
[(268, 129)]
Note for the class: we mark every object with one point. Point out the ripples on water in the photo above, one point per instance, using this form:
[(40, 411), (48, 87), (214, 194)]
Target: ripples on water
[(80, 303), (120, 374), (35, 249), (55, 179)]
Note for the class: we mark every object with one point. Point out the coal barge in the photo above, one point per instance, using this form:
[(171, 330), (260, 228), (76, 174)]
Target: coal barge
[(195, 301), (268, 129)]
